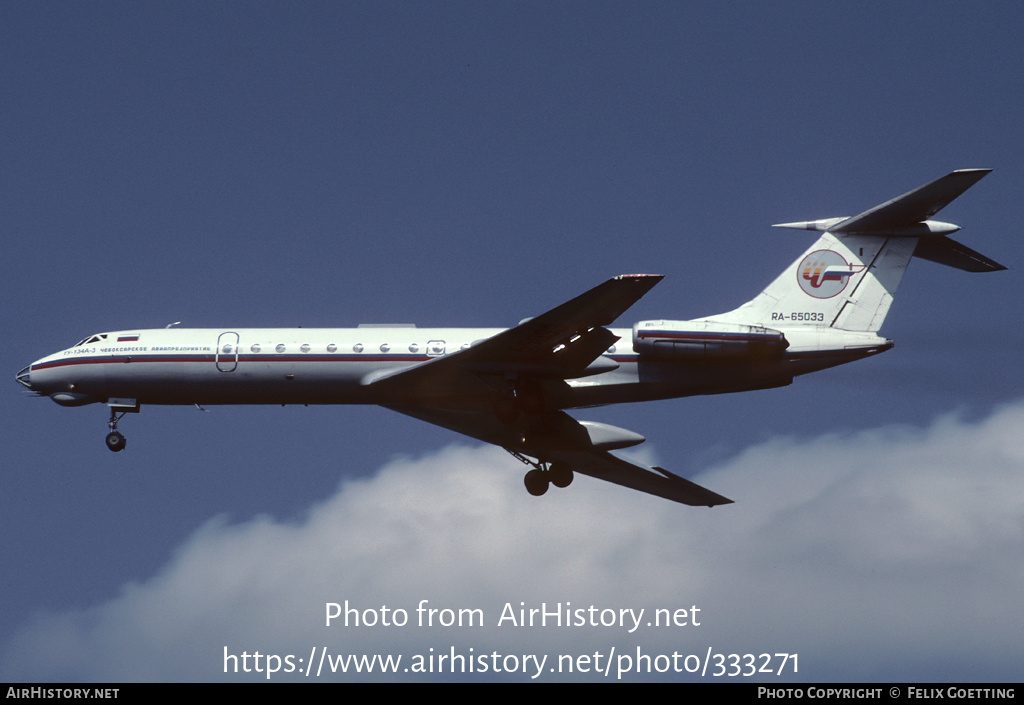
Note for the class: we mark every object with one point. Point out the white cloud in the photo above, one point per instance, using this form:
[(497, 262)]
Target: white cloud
[(886, 554)]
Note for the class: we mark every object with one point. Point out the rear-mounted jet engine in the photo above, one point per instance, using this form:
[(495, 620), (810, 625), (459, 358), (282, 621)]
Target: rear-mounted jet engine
[(706, 340)]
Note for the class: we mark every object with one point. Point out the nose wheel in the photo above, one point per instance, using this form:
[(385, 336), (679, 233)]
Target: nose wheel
[(115, 440)]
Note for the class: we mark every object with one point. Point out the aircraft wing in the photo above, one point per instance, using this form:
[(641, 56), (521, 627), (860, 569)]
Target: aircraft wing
[(556, 436), (559, 344), (456, 391)]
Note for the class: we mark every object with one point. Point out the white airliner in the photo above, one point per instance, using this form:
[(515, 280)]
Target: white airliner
[(511, 387)]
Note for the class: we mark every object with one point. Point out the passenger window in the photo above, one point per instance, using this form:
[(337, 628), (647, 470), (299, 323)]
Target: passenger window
[(358, 347), (280, 347), (384, 347), (305, 347), (414, 348), (332, 348), (255, 347)]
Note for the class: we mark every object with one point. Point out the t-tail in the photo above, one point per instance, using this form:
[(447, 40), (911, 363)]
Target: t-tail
[(835, 297), (847, 279)]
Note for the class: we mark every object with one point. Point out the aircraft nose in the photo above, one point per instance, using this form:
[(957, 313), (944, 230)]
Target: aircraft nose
[(24, 377)]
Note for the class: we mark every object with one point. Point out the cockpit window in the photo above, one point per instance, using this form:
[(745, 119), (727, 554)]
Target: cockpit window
[(91, 339)]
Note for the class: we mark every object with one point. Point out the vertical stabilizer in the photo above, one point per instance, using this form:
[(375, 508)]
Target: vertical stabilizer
[(847, 279), (846, 283)]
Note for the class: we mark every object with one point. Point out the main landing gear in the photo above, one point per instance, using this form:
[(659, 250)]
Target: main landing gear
[(115, 441), (537, 480)]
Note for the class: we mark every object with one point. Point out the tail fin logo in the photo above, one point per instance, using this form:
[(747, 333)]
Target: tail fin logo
[(824, 274)]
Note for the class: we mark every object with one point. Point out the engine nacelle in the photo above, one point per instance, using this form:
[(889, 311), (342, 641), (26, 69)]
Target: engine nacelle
[(706, 340)]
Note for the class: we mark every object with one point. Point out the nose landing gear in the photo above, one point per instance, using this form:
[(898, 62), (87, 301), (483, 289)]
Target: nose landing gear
[(115, 440)]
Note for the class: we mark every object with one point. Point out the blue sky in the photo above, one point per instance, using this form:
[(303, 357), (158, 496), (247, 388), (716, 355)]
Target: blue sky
[(327, 164)]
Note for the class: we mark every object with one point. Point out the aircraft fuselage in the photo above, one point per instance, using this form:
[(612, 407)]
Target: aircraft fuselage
[(335, 366)]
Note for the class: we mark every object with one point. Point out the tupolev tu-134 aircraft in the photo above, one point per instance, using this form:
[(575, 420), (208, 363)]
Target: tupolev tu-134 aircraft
[(511, 387)]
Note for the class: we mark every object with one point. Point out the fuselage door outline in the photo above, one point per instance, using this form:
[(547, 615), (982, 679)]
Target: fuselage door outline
[(226, 355)]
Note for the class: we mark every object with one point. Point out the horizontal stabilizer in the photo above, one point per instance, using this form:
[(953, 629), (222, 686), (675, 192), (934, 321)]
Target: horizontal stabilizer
[(821, 226), (914, 206), (951, 253), (908, 217), (904, 216)]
